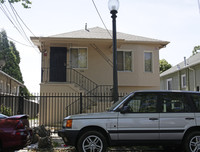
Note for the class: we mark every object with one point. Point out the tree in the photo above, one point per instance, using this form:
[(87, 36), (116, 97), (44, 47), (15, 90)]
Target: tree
[(25, 3), (164, 65), (195, 50), (9, 53)]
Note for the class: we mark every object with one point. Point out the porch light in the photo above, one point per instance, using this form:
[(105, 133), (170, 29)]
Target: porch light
[(113, 6)]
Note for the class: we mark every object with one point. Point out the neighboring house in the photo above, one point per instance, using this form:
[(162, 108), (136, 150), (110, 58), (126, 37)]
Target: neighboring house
[(8, 84), (81, 61), (183, 76)]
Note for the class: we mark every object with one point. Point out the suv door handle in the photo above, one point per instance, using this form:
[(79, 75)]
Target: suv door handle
[(153, 118), (189, 118)]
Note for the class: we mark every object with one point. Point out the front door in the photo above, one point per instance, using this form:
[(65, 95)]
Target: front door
[(141, 122), (58, 59)]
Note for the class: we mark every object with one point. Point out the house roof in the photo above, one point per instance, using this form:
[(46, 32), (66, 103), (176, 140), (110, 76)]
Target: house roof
[(5, 74), (100, 33), (191, 61)]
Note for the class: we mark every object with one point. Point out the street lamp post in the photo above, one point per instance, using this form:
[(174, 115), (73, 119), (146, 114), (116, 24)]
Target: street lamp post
[(113, 6)]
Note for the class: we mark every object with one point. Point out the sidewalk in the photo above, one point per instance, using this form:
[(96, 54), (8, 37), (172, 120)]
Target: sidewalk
[(59, 146)]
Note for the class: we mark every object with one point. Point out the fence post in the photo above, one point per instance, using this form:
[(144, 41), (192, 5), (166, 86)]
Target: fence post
[(81, 102), (21, 104)]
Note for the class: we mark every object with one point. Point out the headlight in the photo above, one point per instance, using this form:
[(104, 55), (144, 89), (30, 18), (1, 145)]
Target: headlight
[(67, 123)]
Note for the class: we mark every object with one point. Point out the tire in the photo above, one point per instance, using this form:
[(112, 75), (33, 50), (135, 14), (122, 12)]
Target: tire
[(192, 142), (92, 141)]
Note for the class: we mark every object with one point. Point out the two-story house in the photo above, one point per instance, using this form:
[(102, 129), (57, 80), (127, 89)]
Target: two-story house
[(82, 61), (183, 76)]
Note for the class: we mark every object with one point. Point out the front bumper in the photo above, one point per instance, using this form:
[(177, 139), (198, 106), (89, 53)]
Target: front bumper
[(68, 136)]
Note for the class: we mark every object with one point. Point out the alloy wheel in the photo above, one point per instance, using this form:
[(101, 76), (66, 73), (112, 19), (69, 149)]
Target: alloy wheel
[(92, 144)]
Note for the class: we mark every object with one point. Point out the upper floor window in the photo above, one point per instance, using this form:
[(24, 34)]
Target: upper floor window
[(79, 57), (124, 60), (183, 81), (148, 61), (169, 84)]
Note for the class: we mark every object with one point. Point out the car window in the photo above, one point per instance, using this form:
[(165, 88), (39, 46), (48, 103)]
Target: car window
[(142, 103), (196, 101), (175, 102)]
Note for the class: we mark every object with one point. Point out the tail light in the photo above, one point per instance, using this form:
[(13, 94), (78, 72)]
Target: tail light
[(20, 125)]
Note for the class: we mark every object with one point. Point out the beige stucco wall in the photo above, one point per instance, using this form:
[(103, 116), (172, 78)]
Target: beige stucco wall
[(100, 71), (59, 88)]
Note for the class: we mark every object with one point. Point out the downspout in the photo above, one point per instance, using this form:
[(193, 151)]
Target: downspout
[(179, 79), (194, 77)]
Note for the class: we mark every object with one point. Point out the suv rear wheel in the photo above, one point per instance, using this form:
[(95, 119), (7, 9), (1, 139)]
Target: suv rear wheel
[(91, 141), (192, 142)]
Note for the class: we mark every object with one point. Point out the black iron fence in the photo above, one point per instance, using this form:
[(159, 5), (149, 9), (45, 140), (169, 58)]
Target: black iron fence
[(50, 109)]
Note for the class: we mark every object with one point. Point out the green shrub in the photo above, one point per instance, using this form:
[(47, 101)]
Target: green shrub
[(6, 110)]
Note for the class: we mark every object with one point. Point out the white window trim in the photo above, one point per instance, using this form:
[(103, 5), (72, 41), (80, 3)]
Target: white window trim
[(152, 61), (182, 85), (168, 80), (87, 57), (132, 59)]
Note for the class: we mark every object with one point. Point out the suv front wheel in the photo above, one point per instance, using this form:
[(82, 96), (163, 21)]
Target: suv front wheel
[(91, 141), (192, 142)]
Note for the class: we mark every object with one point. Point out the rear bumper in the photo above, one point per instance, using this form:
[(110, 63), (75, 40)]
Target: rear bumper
[(68, 136), (18, 139)]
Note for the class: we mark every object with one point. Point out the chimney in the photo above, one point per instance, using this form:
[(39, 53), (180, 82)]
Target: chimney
[(86, 27)]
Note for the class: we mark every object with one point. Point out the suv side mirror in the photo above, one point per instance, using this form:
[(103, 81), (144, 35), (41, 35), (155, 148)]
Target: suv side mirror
[(125, 109)]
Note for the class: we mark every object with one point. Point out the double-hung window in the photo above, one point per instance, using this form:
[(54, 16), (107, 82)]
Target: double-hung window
[(169, 84), (79, 57), (124, 60), (183, 81), (148, 60)]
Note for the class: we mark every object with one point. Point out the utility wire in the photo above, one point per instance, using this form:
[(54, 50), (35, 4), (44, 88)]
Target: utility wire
[(24, 33), (101, 18), (16, 41), (22, 20), (7, 15), (17, 24)]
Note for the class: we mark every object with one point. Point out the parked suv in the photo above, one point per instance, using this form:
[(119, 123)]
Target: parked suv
[(142, 117)]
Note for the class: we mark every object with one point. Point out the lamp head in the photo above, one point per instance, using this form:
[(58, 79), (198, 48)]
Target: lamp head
[(113, 5)]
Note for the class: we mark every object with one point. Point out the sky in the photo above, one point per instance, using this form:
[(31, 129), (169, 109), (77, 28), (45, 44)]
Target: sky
[(176, 21)]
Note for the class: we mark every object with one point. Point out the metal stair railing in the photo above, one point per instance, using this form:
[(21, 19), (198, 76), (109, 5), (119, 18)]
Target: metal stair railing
[(79, 79)]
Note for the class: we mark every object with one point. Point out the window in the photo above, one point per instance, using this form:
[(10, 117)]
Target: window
[(8, 88), (169, 84), (79, 57), (183, 81), (175, 102), (142, 103), (196, 100), (148, 61), (124, 61)]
